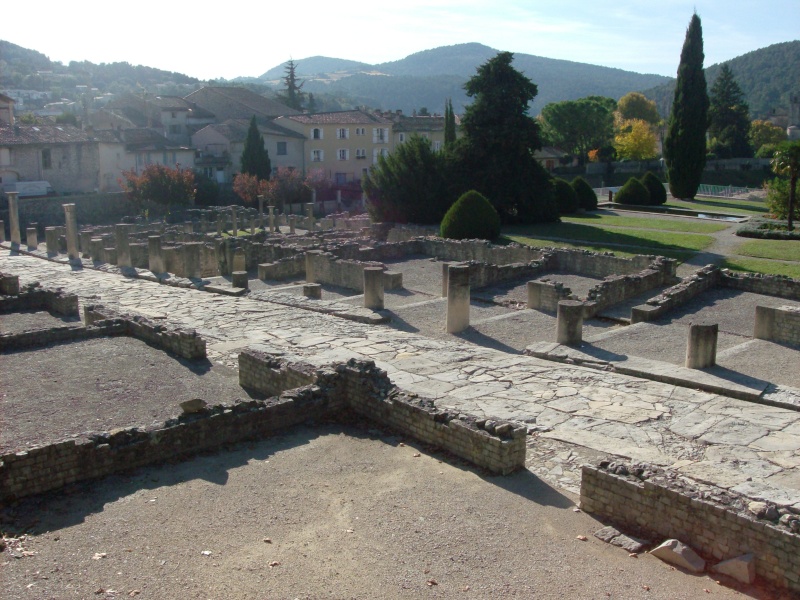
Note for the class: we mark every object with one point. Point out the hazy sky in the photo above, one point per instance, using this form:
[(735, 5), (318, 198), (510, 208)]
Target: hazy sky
[(235, 38)]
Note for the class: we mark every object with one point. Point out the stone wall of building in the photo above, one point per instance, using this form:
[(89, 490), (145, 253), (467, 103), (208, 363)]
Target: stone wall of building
[(545, 295), (758, 283), (700, 281), (712, 521), (780, 325), (618, 288)]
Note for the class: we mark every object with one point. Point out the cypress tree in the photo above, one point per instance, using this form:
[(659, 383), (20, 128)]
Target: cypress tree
[(449, 123), (255, 158), (685, 146)]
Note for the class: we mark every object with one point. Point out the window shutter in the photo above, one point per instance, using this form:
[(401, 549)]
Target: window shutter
[(374, 136)]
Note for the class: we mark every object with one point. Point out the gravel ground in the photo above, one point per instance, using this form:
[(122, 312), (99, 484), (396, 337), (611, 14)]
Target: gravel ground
[(31, 320), (116, 382), (370, 517)]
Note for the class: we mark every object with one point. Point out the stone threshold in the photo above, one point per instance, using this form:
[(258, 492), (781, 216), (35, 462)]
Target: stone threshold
[(741, 387)]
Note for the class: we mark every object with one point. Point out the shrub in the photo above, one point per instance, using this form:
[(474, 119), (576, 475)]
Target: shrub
[(778, 198), (587, 199), (566, 198), (633, 192), (472, 216), (658, 194)]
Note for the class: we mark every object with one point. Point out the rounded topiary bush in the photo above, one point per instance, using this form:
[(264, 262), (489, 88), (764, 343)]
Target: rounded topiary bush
[(566, 198), (587, 199), (472, 216), (633, 192), (658, 193)]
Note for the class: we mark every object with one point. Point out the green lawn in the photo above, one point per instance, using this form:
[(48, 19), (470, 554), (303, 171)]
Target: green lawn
[(722, 205), (756, 265), (680, 255), (774, 249), (684, 225)]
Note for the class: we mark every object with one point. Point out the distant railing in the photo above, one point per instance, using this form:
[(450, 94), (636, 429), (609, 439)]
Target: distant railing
[(724, 191)]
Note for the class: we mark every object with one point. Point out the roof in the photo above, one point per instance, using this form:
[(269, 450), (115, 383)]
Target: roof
[(549, 152), (18, 135), (238, 103), (342, 117), (4, 98), (419, 124), (235, 130), (142, 138), (176, 103)]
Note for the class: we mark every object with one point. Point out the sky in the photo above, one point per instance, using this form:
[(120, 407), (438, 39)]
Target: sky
[(211, 40)]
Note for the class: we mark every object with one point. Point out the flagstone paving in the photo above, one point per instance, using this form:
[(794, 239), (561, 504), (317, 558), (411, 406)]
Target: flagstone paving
[(575, 414)]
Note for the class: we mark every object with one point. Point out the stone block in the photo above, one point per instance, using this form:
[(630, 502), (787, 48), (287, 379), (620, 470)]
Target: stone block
[(742, 568), (679, 554)]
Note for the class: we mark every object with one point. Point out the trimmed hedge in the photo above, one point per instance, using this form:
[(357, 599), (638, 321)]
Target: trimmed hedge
[(767, 229), (658, 194), (472, 216), (566, 198), (633, 192), (587, 199)]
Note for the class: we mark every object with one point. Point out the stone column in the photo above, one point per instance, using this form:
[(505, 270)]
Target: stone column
[(701, 348), (239, 279), (252, 226), (311, 274), (445, 276), (292, 223), (373, 288), (123, 245), (13, 218), (534, 295), (191, 260), (32, 238), (457, 298), (310, 215), (2, 231), (271, 218), (261, 212), (338, 200), (204, 222), (51, 239), (569, 322), (86, 237), (312, 290), (155, 255), (234, 225), (219, 225), (72, 231), (95, 248)]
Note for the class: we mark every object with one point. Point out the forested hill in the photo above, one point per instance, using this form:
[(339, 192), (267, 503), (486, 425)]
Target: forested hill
[(427, 78), (766, 76), (20, 68)]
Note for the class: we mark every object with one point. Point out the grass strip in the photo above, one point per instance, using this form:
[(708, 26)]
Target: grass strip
[(675, 224), (769, 267)]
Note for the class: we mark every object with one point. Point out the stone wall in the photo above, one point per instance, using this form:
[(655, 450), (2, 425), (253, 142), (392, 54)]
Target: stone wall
[(780, 325), (331, 270), (700, 281), (618, 288), (545, 295), (34, 297), (183, 342), (758, 283), (712, 521)]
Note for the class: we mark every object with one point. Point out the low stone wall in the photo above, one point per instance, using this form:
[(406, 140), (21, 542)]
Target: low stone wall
[(495, 445), (51, 467), (331, 270), (702, 280), (545, 295), (618, 288), (285, 268), (758, 283), (780, 325), (183, 342), (270, 375), (37, 338), (34, 297), (713, 521)]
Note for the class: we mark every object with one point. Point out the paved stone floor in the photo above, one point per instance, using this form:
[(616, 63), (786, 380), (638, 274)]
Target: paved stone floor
[(575, 414)]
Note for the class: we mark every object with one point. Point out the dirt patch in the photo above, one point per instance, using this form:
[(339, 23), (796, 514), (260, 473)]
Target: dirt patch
[(326, 512), (32, 320), (75, 389)]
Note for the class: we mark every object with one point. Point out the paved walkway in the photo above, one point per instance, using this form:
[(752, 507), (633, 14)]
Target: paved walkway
[(575, 413)]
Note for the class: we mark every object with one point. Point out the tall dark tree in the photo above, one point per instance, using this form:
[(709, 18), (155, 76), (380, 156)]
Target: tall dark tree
[(495, 153), (685, 146), (292, 94), (579, 126), (312, 103), (449, 123), (728, 117), (255, 158)]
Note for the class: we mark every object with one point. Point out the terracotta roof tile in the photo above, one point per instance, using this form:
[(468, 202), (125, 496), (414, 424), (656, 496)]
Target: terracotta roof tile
[(344, 117)]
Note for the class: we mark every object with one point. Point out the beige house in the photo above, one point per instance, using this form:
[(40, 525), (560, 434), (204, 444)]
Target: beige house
[(342, 144), (220, 146), (429, 127)]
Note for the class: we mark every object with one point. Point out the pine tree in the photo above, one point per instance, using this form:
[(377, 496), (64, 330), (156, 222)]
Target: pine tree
[(292, 96), (312, 103), (255, 158), (685, 146), (729, 118), (449, 123)]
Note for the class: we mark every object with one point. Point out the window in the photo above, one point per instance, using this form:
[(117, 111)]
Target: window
[(282, 149), (342, 133), (316, 155), (361, 153), (47, 159), (376, 152), (316, 133), (344, 154), (361, 131), (379, 135), (402, 137), (437, 145), (341, 178)]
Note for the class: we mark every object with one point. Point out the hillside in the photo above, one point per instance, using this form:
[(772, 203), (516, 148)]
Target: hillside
[(766, 76), (427, 78), (315, 66)]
